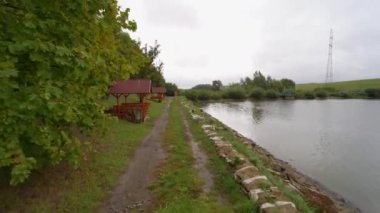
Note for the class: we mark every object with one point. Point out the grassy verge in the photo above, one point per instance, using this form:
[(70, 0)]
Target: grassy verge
[(64, 189), (225, 183), (178, 186), (252, 156)]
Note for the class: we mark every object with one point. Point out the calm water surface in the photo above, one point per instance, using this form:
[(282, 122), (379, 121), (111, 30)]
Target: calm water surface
[(337, 142)]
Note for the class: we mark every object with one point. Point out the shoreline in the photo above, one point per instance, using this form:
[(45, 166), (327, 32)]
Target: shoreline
[(313, 191)]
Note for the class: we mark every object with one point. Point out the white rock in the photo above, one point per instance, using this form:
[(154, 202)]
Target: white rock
[(253, 179)]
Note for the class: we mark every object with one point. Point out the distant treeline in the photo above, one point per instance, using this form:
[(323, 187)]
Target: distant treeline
[(260, 87), (257, 87)]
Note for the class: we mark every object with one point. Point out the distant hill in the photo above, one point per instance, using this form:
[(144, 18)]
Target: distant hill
[(343, 85)]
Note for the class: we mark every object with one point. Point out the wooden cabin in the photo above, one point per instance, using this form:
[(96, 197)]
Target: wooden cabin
[(135, 112), (158, 93)]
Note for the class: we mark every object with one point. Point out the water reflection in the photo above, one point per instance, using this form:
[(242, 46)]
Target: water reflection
[(257, 113), (335, 141)]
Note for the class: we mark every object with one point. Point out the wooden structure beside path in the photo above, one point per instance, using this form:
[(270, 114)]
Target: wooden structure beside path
[(135, 112), (158, 93)]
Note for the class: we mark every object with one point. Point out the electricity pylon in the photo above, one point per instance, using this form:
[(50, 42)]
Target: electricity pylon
[(329, 70)]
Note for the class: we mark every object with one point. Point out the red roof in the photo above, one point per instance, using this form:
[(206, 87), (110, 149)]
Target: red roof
[(158, 90), (134, 86)]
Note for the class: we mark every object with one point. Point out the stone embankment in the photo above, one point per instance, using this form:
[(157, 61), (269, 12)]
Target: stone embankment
[(256, 185)]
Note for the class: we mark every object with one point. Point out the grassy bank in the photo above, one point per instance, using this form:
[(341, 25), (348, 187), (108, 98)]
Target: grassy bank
[(343, 85), (178, 186), (64, 189), (255, 158), (225, 183), (369, 88)]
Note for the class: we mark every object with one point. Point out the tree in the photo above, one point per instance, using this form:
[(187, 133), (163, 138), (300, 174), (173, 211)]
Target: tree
[(203, 87), (131, 57), (259, 80), (288, 83), (57, 59), (152, 69), (171, 88), (277, 85), (217, 85)]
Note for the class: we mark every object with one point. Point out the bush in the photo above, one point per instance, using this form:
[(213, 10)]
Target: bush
[(372, 93), (299, 94), (321, 94), (203, 96), (288, 94), (171, 88), (215, 95), (257, 93), (309, 95), (271, 94), (335, 94), (345, 95), (225, 95), (191, 95), (236, 93)]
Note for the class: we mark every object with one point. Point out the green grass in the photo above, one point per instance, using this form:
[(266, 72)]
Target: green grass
[(178, 186), (61, 188), (343, 86), (301, 204), (225, 183)]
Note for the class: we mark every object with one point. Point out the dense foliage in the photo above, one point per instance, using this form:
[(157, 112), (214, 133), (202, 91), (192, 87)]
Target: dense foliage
[(257, 93), (56, 60), (372, 93), (171, 88), (152, 69), (260, 81)]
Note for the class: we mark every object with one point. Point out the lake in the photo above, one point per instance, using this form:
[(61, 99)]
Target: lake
[(336, 142)]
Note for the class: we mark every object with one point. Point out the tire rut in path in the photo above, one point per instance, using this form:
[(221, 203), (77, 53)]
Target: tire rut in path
[(131, 192), (201, 159)]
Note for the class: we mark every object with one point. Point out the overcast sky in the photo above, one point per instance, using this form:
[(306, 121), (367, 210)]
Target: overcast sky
[(204, 40)]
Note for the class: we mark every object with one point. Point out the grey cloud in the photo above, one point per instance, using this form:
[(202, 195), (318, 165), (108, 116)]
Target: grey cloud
[(228, 40), (171, 13), (199, 61)]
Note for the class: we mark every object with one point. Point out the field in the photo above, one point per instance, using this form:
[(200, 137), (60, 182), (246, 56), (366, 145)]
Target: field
[(343, 85)]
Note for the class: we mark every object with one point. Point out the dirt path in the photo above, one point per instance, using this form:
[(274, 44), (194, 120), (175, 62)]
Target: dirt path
[(131, 193), (200, 159)]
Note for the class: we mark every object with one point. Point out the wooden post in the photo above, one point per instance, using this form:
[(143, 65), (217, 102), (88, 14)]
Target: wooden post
[(126, 97), (117, 98)]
